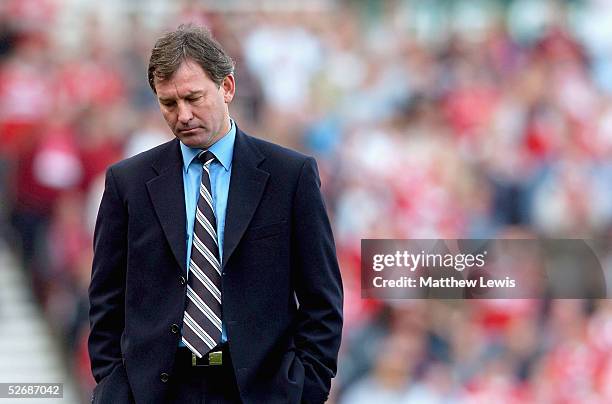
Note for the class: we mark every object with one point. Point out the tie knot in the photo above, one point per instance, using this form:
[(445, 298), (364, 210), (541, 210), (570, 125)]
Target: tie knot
[(206, 157)]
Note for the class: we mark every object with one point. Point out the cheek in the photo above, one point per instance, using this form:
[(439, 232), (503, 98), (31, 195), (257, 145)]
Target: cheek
[(204, 111), (169, 117)]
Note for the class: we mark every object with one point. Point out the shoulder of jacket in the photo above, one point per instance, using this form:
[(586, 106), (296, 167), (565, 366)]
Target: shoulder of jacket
[(278, 154), (143, 159)]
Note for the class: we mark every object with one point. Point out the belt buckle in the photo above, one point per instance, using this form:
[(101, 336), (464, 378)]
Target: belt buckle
[(214, 359)]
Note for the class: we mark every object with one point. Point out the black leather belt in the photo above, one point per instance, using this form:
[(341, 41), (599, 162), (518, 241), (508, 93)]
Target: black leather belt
[(217, 357)]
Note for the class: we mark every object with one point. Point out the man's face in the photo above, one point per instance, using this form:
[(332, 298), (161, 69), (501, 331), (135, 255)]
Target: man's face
[(195, 109)]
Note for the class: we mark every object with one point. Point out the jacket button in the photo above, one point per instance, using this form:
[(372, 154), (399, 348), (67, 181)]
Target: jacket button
[(182, 281), (164, 377), (174, 328)]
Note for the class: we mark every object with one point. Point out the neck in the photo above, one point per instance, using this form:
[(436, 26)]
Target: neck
[(219, 135), (226, 127)]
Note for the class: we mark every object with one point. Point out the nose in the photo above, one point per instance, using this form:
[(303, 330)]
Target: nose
[(184, 113)]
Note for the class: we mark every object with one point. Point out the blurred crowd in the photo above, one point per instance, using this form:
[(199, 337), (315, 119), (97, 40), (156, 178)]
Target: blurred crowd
[(429, 119)]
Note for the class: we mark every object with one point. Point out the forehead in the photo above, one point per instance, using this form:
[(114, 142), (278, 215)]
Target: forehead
[(189, 77)]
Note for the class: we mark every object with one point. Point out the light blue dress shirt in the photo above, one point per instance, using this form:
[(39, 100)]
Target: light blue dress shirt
[(220, 173)]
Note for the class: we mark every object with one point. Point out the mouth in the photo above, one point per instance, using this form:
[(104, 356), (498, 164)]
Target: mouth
[(187, 131)]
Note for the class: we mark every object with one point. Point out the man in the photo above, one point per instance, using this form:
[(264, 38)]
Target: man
[(214, 275)]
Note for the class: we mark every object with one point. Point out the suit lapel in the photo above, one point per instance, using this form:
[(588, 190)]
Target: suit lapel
[(168, 197), (247, 184)]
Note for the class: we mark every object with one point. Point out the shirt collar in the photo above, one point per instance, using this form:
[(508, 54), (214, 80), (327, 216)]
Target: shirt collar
[(223, 149)]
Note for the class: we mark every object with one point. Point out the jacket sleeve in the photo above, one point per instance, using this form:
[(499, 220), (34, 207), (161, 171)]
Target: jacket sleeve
[(318, 287), (107, 287)]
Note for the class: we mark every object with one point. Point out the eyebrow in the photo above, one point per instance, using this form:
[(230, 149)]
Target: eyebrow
[(189, 94)]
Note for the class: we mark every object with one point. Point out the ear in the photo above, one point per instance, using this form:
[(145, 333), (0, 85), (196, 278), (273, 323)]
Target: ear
[(229, 88)]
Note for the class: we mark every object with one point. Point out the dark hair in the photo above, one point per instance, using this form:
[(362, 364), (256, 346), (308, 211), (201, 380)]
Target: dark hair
[(188, 42)]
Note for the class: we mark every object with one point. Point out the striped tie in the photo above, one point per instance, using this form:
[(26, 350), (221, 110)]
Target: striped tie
[(202, 319)]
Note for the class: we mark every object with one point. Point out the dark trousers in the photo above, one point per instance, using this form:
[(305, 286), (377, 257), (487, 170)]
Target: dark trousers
[(202, 385)]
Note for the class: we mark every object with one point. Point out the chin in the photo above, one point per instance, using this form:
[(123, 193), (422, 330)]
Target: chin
[(195, 142)]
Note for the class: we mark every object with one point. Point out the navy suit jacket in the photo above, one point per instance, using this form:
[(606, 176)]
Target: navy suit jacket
[(282, 291)]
